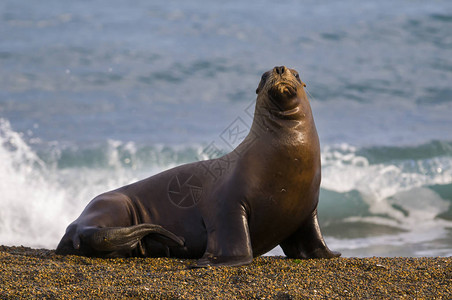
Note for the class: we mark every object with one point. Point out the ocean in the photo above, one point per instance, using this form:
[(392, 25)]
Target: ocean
[(98, 94)]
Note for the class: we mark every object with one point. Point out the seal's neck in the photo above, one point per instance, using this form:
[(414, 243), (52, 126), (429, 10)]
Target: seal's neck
[(268, 117)]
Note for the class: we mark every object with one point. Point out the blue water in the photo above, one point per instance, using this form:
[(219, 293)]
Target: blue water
[(98, 94)]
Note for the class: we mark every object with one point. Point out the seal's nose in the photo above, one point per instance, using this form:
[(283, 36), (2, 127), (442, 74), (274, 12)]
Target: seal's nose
[(280, 70)]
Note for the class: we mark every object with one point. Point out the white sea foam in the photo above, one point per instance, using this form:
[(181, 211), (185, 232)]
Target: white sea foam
[(344, 170), (31, 205), (398, 196)]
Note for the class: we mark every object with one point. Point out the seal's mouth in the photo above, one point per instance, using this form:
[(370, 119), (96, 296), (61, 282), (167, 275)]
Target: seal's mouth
[(283, 89), (286, 88)]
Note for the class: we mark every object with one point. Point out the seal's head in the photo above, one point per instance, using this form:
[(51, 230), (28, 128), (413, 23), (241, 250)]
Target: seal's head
[(282, 87)]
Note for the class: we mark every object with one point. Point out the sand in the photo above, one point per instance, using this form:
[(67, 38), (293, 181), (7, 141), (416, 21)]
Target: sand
[(39, 273)]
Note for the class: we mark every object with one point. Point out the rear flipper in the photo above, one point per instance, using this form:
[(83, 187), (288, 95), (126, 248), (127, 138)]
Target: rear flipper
[(307, 242), (116, 241)]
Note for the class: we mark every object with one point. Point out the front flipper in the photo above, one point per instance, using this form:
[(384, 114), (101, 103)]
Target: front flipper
[(117, 241), (228, 241), (307, 242)]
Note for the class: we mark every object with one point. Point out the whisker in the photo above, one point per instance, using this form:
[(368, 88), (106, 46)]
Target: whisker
[(310, 95)]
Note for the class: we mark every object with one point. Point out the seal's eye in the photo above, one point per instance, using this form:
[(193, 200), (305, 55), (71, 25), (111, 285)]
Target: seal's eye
[(262, 83)]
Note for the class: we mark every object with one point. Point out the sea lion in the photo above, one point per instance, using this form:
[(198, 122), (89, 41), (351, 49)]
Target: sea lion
[(223, 211)]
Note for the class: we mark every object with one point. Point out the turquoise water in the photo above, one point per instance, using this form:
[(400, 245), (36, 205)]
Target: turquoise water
[(95, 95)]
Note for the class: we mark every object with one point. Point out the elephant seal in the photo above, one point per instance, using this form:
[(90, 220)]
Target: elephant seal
[(223, 211)]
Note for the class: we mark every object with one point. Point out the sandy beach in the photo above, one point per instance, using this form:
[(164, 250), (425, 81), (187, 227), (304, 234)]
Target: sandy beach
[(39, 273)]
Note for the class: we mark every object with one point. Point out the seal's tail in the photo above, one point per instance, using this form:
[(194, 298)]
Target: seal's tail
[(116, 241)]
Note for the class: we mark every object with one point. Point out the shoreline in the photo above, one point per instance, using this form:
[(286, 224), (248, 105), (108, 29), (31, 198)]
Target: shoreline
[(28, 272)]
